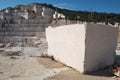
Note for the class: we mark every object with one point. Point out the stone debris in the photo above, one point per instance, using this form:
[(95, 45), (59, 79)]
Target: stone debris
[(12, 53), (2, 45), (115, 69)]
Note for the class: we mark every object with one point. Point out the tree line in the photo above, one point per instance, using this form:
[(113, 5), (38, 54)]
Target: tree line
[(87, 15)]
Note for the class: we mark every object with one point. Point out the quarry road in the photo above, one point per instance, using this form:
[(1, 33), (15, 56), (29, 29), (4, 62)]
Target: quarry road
[(21, 67)]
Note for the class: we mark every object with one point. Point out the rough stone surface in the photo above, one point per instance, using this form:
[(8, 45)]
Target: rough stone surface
[(25, 22)]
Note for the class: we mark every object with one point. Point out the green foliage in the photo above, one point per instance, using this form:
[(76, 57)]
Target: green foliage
[(86, 16)]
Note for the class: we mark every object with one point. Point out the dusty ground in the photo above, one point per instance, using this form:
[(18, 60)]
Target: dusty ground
[(25, 68), (17, 66), (72, 74), (75, 75)]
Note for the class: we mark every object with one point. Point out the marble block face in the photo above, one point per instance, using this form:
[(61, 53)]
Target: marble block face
[(84, 47)]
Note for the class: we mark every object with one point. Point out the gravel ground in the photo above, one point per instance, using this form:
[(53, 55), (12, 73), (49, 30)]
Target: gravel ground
[(75, 75), (26, 67)]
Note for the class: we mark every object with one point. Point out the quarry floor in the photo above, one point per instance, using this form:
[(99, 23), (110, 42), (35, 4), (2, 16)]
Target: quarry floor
[(19, 66)]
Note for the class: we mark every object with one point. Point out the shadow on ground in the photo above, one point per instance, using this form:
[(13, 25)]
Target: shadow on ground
[(103, 72), (49, 63)]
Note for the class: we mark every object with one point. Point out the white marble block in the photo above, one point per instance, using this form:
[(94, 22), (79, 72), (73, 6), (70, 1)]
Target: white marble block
[(84, 47)]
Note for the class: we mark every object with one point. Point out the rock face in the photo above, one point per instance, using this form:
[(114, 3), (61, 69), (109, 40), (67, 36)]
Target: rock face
[(85, 47), (21, 22)]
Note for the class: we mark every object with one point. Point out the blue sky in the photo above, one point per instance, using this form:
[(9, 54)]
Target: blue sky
[(84, 5)]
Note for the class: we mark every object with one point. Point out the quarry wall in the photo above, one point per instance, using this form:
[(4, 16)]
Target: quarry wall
[(15, 28)]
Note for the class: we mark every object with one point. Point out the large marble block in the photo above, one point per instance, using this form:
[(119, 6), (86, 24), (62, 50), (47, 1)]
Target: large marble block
[(84, 47)]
